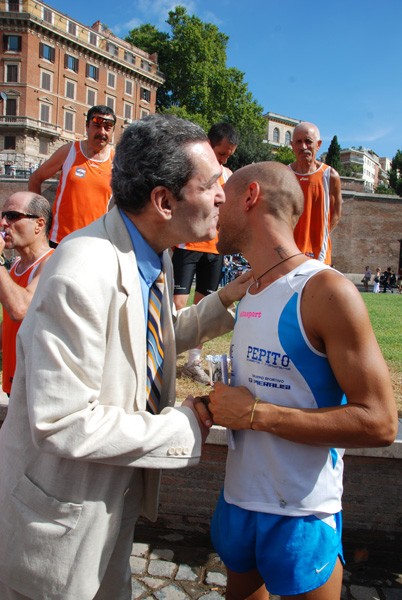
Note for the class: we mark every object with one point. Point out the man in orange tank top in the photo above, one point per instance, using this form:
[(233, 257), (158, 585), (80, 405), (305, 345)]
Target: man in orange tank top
[(321, 187), (84, 190), (26, 221), (202, 259)]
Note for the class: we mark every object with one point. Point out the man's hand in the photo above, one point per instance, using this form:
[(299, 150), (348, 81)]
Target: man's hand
[(2, 245), (203, 416), (236, 289), (231, 406)]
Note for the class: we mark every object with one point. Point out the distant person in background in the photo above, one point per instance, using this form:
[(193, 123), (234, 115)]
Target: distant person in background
[(376, 282), (202, 259), (399, 281), (385, 280), (321, 187), (84, 190), (366, 278), (26, 221)]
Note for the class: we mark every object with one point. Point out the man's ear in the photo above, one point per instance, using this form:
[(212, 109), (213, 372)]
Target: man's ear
[(163, 200), (40, 224), (252, 194)]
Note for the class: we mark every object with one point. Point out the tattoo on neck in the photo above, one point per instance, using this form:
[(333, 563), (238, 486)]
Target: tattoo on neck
[(282, 252)]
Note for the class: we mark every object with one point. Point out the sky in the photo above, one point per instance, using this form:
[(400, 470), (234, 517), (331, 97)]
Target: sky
[(334, 64)]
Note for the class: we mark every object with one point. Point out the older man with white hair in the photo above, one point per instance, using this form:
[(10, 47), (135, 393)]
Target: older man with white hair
[(321, 187)]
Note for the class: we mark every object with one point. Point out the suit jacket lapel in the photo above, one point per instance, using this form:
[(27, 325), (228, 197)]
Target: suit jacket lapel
[(130, 283)]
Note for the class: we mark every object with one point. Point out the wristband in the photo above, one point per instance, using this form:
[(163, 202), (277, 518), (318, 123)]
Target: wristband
[(252, 412)]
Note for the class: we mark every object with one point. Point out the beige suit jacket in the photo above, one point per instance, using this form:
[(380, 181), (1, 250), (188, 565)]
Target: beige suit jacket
[(77, 418)]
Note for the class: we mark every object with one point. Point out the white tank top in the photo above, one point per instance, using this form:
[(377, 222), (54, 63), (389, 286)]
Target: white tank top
[(273, 358)]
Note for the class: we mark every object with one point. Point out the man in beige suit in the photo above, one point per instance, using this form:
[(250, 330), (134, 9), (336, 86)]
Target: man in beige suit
[(80, 455)]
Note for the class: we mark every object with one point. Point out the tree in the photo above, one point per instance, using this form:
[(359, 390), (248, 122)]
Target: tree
[(334, 155), (198, 85), (251, 149), (395, 174), (383, 189), (285, 155)]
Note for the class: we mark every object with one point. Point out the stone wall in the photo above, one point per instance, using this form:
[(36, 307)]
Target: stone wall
[(368, 233), (9, 186)]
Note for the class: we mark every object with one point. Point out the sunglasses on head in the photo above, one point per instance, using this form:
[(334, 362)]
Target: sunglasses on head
[(101, 122), (14, 215)]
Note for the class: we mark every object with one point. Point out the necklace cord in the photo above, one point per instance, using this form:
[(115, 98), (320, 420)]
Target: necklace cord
[(257, 279)]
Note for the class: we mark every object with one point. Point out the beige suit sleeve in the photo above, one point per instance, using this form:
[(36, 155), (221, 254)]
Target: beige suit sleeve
[(73, 412)]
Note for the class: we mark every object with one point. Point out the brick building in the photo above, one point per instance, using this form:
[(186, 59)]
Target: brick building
[(53, 70)]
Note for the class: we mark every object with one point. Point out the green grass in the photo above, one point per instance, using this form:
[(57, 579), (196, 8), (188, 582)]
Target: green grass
[(385, 311)]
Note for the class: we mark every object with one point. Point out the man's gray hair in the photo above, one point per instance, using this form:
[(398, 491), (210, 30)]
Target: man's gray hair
[(38, 205), (153, 152)]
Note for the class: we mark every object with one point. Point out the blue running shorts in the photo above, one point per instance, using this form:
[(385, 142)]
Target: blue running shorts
[(294, 555)]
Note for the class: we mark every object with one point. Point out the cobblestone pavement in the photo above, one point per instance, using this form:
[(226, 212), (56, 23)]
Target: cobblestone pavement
[(174, 566)]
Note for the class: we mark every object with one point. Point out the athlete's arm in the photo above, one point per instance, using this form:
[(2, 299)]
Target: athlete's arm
[(337, 323), (15, 298), (335, 195), (48, 169)]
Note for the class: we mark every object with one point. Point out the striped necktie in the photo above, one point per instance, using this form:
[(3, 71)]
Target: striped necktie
[(154, 345)]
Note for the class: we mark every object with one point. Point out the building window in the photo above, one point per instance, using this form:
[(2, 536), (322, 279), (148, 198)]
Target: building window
[(43, 147), (45, 113), (127, 111), (72, 28), (91, 97), (46, 81), (145, 95), (129, 87), (14, 5), (144, 114), (111, 80), (276, 136), (11, 73), (112, 49), (288, 138), (10, 142), (69, 121), (47, 15), (93, 38), (92, 72), (110, 102), (70, 90), (70, 62), (47, 52), (129, 57), (11, 43), (11, 107)]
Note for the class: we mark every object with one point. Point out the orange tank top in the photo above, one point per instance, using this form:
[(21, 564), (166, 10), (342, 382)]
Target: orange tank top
[(312, 230), (83, 194), (10, 327), (210, 245)]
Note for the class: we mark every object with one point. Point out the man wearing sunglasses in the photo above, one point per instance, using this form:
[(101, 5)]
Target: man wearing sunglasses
[(84, 190), (25, 221)]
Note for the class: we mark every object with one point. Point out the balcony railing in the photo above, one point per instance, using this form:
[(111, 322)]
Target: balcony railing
[(28, 123)]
